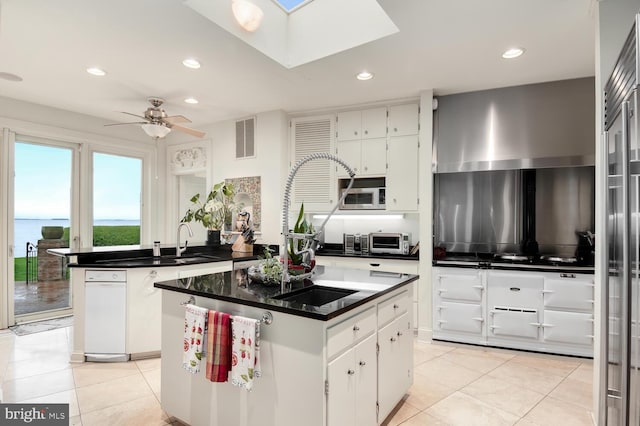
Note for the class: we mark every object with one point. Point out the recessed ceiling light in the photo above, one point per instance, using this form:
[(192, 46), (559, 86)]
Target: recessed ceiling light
[(513, 53), (191, 63), (96, 71), (364, 75), (10, 77), (191, 100)]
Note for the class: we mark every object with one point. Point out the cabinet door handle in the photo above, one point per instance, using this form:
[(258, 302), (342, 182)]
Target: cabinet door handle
[(395, 129), (366, 132), (399, 334), (362, 363), (393, 339), (374, 264), (356, 328), (355, 133), (350, 372), (395, 306)]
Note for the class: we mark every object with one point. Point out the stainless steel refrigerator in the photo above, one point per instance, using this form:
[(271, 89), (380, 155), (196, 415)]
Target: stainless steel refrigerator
[(619, 380)]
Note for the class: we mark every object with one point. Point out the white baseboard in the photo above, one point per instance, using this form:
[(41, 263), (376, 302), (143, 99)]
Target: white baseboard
[(425, 334)]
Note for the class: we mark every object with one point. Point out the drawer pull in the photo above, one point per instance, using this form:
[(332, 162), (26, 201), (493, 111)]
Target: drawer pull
[(548, 291), (351, 372), (356, 328), (395, 306), (567, 275), (399, 334), (362, 363), (374, 264), (393, 339), (514, 288)]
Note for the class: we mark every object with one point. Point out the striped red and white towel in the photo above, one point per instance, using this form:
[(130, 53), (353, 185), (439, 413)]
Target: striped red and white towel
[(218, 346)]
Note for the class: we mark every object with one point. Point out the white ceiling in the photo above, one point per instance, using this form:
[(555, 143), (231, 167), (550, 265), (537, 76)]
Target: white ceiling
[(445, 45)]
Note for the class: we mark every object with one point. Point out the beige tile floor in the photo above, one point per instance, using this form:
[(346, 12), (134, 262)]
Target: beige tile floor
[(453, 385)]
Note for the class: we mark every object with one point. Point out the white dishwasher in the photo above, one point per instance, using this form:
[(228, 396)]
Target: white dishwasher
[(105, 315)]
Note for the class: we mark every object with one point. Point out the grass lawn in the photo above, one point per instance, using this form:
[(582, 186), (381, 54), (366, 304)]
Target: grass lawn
[(102, 236), (20, 271)]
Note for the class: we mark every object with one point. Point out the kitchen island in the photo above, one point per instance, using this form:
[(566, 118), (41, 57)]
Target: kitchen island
[(344, 362)]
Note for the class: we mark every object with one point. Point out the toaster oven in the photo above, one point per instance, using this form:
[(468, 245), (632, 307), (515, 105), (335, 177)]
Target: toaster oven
[(389, 243)]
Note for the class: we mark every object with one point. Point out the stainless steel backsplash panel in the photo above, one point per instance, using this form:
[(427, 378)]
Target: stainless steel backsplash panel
[(565, 203), (478, 211), (482, 211), (523, 127)]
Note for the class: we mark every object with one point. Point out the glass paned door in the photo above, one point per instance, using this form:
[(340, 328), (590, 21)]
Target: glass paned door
[(42, 220), (117, 186)]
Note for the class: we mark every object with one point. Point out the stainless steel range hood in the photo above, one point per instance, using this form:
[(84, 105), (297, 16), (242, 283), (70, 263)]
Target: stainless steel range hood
[(532, 126)]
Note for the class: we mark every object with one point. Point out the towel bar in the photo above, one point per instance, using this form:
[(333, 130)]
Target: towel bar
[(191, 301), (267, 317)]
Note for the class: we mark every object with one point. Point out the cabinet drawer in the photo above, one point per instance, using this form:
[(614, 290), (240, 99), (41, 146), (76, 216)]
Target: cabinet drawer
[(460, 287), (393, 308), (514, 290), (350, 331), (571, 293), (465, 317), (568, 327), (514, 322)]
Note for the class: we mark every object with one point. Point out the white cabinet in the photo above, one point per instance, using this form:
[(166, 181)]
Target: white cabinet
[(362, 141), (365, 124), (403, 120), (402, 173), (459, 304), (395, 363), (352, 381), (367, 157), (544, 311), (358, 376)]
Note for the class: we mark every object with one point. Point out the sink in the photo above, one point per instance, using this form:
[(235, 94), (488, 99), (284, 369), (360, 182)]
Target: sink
[(186, 259), (352, 285), (315, 295)]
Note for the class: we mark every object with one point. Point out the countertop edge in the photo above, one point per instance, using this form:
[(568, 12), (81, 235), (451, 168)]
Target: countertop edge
[(290, 311)]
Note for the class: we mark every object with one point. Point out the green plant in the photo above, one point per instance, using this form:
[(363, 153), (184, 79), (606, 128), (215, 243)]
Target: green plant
[(301, 227), (216, 210)]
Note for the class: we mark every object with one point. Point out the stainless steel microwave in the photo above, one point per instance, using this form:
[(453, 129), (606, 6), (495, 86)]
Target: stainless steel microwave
[(363, 199), (389, 243)]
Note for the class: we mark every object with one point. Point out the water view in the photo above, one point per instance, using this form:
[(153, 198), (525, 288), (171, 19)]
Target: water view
[(29, 230)]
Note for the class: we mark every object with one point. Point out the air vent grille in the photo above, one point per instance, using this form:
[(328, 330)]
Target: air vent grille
[(245, 138), (623, 79), (311, 183)]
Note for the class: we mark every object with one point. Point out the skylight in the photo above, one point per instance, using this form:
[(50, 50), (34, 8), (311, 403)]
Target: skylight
[(289, 5)]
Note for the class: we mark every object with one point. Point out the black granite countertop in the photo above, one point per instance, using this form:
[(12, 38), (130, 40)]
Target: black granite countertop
[(236, 287), (338, 250), (142, 256)]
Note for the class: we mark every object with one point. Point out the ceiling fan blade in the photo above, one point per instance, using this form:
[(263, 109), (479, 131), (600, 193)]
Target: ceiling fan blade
[(122, 124), (192, 132), (177, 119), (135, 115)]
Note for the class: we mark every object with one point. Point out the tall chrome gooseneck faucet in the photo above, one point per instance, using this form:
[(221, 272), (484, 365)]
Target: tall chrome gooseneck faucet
[(180, 250), (311, 246)]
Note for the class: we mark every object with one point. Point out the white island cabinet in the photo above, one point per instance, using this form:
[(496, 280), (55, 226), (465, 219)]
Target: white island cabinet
[(315, 372)]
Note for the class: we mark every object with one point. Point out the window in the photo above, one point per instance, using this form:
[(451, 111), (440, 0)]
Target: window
[(117, 183)]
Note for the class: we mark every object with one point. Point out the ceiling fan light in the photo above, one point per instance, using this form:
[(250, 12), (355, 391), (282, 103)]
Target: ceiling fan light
[(248, 15), (155, 130)]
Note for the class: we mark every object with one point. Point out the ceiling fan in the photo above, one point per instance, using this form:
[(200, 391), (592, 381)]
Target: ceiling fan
[(158, 124)]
